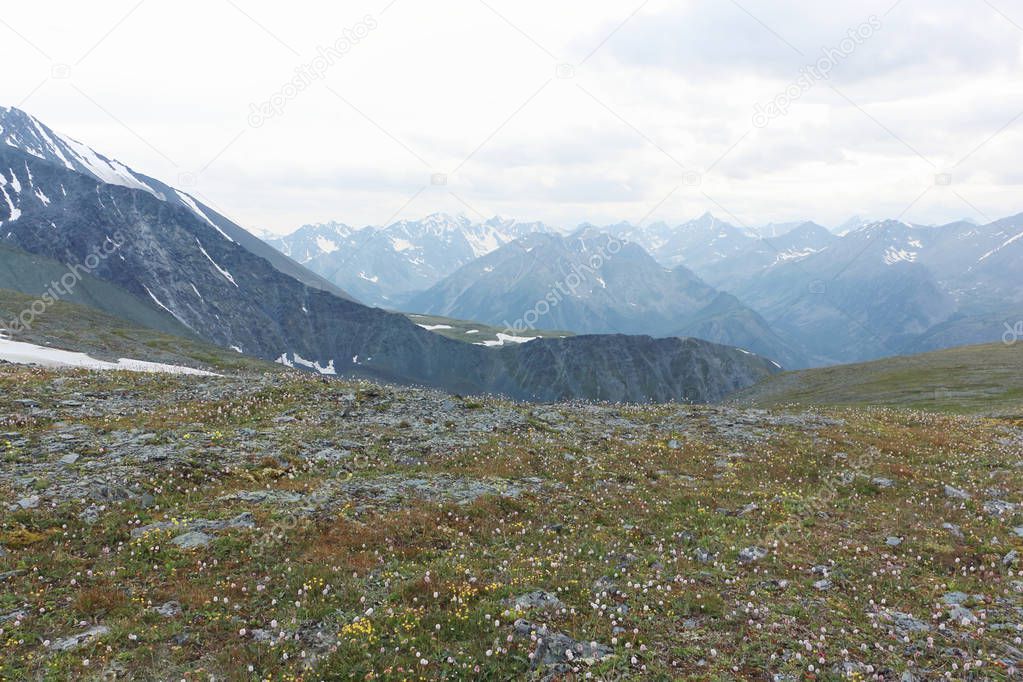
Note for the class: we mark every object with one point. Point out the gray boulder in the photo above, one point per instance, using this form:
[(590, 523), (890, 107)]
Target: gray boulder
[(751, 554), (956, 493), (558, 651), (75, 641), (192, 540)]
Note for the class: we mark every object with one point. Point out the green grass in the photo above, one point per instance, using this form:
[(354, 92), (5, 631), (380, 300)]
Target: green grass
[(986, 379)]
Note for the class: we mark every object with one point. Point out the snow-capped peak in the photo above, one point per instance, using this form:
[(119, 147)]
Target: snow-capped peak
[(25, 132), (28, 134)]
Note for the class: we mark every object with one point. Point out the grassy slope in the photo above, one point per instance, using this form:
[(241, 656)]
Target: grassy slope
[(33, 274), (84, 329), (986, 379), (619, 523)]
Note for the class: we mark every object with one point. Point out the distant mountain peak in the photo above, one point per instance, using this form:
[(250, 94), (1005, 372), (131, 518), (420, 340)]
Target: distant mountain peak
[(382, 264)]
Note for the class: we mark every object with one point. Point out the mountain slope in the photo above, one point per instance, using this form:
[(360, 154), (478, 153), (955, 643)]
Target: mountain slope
[(24, 132), (985, 379), (168, 253), (763, 254), (592, 283), (84, 329), (35, 276), (888, 288)]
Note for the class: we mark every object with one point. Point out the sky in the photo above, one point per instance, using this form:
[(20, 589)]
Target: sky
[(366, 112)]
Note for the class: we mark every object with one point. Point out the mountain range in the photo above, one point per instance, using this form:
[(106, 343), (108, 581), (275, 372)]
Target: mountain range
[(590, 282), (165, 250), (384, 266), (796, 292)]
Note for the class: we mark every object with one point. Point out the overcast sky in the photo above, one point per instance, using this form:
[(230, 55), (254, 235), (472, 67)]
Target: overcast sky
[(564, 111)]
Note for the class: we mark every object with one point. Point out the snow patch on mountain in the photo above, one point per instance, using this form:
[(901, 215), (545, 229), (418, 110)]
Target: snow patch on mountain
[(19, 352), (110, 172), (326, 245), (222, 271), (503, 338), (190, 202), (893, 255), (995, 250)]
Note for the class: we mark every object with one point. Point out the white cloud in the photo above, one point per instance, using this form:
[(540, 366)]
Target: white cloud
[(470, 89)]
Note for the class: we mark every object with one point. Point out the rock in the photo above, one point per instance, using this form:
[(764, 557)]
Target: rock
[(108, 492), (883, 482), (962, 615), (1010, 558), (823, 585), (1018, 530), (955, 598), (674, 444), (147, 501), (266, 497), (852, 670), (702, 555), (556, 651), (545, 601), (953, 529), (751, 554), (331, 456), (956, 493), (904, 623), (244, 520), (29, 502), (90, 514), (893, 541), (999, 507), (75, 641), (170, 609), (748, 509), (68, 460), (192, 540), (260, 635), (13, 615)]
